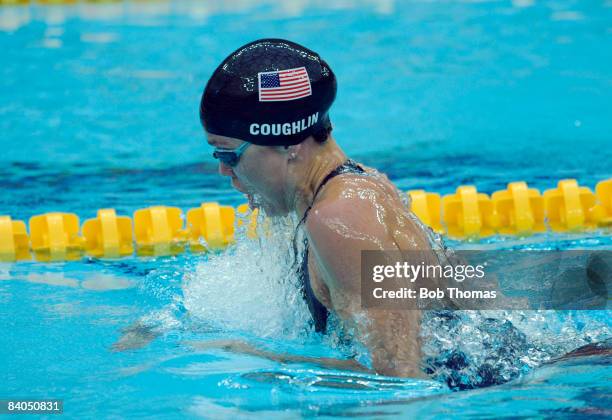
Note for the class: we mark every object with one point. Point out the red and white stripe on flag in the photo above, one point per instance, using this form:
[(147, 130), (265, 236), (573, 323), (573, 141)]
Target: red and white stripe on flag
[(284, 85)]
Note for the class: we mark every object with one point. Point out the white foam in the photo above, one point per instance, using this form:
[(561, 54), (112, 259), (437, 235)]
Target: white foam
[(252, 286)]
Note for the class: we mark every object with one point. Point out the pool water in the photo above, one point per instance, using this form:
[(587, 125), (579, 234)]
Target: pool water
[(99, 108)]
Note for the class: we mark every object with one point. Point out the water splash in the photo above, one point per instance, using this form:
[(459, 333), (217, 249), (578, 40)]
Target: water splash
[(251, 286), (469, 349)]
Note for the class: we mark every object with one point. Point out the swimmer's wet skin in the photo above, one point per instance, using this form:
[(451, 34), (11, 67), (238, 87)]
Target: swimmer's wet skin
[(275, 95)]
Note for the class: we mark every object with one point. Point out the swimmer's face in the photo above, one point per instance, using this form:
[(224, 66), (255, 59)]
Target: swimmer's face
[(260, 171)]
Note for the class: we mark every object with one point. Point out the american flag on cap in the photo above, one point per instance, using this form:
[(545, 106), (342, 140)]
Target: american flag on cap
[(284, 85)]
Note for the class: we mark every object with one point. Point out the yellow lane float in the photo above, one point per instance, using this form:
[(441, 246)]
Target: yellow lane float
[(426, 206), (568, 205), (108, 235), (602, 212), (14, 242), (159, 231), (211, 226), (468, 213), (55, 237), (519, 209)]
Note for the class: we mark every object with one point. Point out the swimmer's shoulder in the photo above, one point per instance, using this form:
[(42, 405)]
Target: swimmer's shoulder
[(338, 230), (350, 184), (357, 198), (366, 205), (349, 208)]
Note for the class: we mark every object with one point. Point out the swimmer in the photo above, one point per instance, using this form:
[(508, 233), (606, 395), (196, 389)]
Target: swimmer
[(265, 110)]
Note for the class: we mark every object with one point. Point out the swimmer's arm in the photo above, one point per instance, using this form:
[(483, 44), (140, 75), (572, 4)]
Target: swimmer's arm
[(135, 336), (392, 337), (242, 347)]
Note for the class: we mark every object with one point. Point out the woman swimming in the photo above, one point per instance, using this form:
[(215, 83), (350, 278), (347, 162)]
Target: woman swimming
[(265, 110)]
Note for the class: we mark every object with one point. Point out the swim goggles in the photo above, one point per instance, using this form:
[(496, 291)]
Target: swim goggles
[(230, 157)]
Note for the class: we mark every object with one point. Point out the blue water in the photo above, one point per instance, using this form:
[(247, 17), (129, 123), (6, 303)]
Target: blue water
[(98, 108)]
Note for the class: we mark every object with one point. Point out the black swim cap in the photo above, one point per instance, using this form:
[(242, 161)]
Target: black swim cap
[(270, 92)]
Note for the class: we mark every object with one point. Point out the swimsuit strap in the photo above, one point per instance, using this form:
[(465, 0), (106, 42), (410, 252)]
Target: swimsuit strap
[(318, 311), (346, 167)]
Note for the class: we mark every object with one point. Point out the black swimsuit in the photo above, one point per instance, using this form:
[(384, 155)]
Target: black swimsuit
[(318, 311)]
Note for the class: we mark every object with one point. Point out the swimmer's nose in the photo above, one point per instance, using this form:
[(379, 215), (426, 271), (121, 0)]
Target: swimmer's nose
[(225, 170)]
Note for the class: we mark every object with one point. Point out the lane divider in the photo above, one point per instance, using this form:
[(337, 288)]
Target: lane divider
[(427, 207), (213, 222), (108, 235), (55, 236), (568, 206), (161, 230), (14, 242), (468, 213), (519, 209)]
